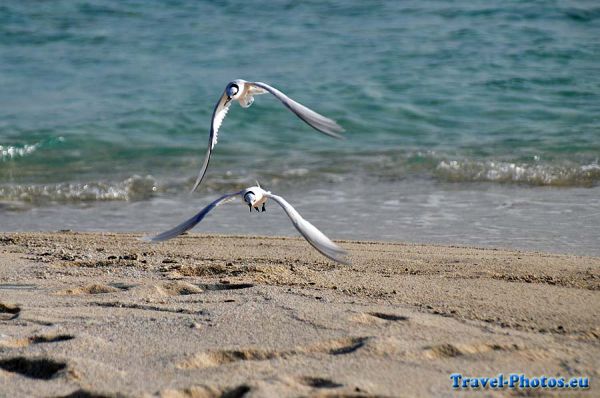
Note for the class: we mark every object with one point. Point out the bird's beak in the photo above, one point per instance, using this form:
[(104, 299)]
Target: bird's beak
[(250, 198)]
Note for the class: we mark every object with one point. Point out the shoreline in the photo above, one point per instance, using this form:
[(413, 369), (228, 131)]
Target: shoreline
[(228, 314), (498, 216), (294, 235)]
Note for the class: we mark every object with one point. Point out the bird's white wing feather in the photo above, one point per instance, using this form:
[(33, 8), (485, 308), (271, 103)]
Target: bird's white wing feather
[(219, 113), (310, 117), (315, 237), (189, 224)]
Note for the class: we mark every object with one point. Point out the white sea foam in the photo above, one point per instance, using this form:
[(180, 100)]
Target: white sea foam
[(130, 189), (8, 152), (510, 172)]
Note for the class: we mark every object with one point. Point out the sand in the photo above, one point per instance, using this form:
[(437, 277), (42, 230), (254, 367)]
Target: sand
[(228, 316)]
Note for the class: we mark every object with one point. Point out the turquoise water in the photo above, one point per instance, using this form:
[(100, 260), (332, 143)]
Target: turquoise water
[(105, 107)]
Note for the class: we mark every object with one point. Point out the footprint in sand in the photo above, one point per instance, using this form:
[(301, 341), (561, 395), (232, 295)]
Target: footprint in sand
[(388, 317), (88, 394), (38, 339), (216, 358), (370, 318), (319, 382), (206, 392), (175, 288), (226, 286), (449, 350), (90, 289), (33, 368), (179, 288), (9, 311), (162, 290), (319, 388)]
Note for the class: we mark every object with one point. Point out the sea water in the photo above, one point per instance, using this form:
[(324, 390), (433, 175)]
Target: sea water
[(467, 122)]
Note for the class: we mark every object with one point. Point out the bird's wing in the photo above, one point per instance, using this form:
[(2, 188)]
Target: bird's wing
[(315, 237), (219, 114), (189, 224), (310, 117)]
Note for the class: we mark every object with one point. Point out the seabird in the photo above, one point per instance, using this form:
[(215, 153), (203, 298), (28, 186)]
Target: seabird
[(244, 93), (256, 197)]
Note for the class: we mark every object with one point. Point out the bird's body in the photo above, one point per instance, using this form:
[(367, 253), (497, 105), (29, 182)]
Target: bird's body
[(243, 92), (246, 93), (254, 197)]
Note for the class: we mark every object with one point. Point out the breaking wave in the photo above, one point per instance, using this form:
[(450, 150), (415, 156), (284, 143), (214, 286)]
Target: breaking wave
[(8, 152), (568, 175), (11, 152), (130, 189), (323, 172)]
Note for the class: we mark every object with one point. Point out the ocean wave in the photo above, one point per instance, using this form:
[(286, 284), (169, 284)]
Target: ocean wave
[(137, 188), (8, 152), (130, 189), (353, 170), (568, 175)]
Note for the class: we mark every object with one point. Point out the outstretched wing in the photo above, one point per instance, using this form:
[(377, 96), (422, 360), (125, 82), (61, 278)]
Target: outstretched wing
[(310, 117), (219, 114), (315, 237), (189, 224)]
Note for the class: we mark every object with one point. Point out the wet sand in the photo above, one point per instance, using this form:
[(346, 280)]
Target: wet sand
[(209, 316)]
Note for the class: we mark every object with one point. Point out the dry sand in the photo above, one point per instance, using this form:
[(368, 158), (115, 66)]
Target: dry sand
[(211, 316)]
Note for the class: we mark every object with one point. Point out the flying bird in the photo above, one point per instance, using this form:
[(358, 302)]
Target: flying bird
[(244, 92), (256, 197)]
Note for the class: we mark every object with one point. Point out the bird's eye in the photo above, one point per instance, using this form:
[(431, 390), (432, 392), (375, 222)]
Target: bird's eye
[(232, 90)]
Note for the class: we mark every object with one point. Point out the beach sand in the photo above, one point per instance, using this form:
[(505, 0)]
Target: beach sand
[(104, 314)]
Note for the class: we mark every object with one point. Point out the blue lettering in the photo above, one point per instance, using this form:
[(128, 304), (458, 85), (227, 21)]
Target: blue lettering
[(573, 383), (455, 377), (535, 382), (465, 383), (518, 380)]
